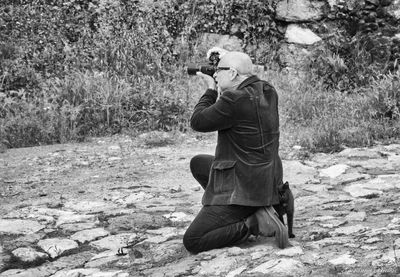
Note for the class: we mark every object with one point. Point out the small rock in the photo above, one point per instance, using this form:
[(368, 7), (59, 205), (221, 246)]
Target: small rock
[(56, 246), (296, 34), (29, 255), (345, 259)]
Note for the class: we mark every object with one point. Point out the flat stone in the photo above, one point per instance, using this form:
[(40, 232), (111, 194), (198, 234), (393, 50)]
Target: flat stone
[(316, 188), (134, 198), (376, 166), (218, 266), (334, 171), (348, 230), (374, 186), (137, 221), (330, 241), (395, 220), (29, 255), (76, 218), (345, 259), (384, 211), (349, 177), (92, 272), (184, 267), (36, 213), (74, 227), (237, 271), (389, 257), (372, 240), (115, 242), (57, 246), (89, 235), (76, 272), (112, 273), (72, 261), (291, 252), (166, 251), (280, 266), (299, 35), (261, 250), (179, 217), (296, 173), (103, 258), (19, 226), (30, 272), (89, 206), (358, 190), (312, 201), (356, 216), (323, 218), (159, 208), (333, 223)]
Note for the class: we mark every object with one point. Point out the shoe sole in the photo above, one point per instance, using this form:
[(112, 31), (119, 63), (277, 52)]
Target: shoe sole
[(281, 235)]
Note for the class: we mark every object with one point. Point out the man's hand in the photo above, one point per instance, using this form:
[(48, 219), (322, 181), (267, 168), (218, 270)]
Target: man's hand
[(207, 80)]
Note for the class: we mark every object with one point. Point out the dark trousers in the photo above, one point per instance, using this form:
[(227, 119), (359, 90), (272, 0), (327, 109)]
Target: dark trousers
[(214, 226)]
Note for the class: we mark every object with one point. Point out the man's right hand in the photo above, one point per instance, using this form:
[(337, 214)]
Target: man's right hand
[(208, 80)]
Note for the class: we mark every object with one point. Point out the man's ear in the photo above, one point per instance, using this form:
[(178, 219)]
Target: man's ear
[(233, 73)]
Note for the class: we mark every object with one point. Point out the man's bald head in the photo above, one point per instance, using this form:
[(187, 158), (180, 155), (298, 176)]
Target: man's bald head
[(239, 61)]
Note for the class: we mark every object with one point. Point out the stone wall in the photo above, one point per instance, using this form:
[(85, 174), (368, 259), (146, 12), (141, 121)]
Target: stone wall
[(308, 24)]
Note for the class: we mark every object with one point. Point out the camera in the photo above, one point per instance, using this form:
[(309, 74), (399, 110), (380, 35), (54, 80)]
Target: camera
[(209, 68)]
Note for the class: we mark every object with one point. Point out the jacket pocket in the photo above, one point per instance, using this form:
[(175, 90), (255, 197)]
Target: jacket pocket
[(224, 175)]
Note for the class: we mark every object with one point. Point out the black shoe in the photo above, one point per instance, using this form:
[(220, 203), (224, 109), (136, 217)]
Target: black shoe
[(269, 223)]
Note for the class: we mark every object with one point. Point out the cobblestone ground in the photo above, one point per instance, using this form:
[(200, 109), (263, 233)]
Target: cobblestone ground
[(114, 207)]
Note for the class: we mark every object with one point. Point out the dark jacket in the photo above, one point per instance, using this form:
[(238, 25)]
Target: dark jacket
[(247, 168)]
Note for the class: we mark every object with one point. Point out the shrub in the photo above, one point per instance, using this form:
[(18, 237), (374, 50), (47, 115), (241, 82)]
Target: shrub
[(320, 119)]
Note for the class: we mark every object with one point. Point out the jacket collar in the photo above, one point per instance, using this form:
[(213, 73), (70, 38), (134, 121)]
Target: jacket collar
[(248, 81)]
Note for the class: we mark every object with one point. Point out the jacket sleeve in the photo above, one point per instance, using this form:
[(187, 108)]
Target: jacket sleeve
[(211, 114)]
